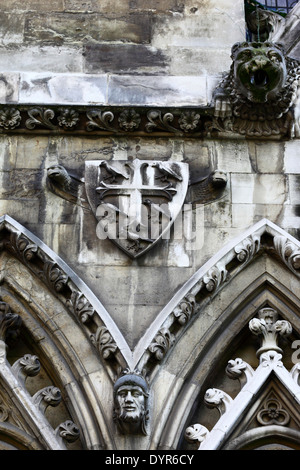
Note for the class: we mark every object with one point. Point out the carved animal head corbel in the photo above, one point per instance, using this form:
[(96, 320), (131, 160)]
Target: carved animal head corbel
[(260, 95), (259, 70)]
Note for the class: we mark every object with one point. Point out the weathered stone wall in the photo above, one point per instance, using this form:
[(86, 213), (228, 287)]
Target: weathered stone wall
[(132, 52), (263, 178), (128, 37), (141, 53)]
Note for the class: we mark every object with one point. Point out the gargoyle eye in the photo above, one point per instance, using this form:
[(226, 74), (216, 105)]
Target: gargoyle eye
[(245, 54), (274, 56)]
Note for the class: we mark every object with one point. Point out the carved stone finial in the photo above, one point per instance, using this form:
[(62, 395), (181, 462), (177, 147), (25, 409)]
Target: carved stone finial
[(269, 327), (131, 408)]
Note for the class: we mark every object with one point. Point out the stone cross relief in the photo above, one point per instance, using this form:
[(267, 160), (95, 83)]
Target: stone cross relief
[(135, 201)]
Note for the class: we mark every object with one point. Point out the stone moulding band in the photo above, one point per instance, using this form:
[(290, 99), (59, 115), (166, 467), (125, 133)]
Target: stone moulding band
[(100, 121), (174, 318), (105, 120), (188, 121), (62, 281)]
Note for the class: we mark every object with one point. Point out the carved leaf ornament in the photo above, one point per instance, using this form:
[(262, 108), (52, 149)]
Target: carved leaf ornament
[(178, 314)]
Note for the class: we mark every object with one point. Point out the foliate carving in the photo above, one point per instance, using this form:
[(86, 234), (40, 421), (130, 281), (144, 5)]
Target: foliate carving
[(215, 277), (159, 120), (104, 342), (35, 406), (228, 114), (215, 398), (196, 433), (189, 120), (271, 359), (40, 117), (81, 307), (21, 247), (259, 96), (48, 396), (54, 276), (68, 431), (131, 403), (185, 309), (288, 252), (273, 413), (161, 344), (10, 118), (68, 118), (269, 328), (98, 119), (129, 120), (239, 369), (247, 248), (103, 121), (27, 366)]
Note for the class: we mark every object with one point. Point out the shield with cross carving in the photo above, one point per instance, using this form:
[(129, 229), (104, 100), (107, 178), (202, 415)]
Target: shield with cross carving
[(135, 201)]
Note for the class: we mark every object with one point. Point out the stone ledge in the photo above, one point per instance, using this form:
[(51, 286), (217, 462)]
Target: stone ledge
[(105, 89)]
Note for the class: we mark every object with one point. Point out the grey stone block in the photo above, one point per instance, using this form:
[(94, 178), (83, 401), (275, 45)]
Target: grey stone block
[(63, 89), (157, 90), (126, 58)]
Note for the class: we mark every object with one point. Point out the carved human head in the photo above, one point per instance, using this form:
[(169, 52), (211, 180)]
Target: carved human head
[(259, 69), (131, 393)]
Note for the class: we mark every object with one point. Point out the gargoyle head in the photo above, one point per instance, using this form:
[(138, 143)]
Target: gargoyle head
[(58, 174), (259, 69)]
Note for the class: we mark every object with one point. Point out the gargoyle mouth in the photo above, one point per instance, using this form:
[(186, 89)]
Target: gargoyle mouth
[(259, 78), (52, 173)]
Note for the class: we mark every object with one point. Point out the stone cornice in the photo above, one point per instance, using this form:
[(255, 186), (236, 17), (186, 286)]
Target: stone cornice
[(123, 105), (106, 120)]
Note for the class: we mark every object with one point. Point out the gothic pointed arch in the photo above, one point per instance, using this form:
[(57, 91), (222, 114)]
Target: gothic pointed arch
[(45, 366), (257, 270)]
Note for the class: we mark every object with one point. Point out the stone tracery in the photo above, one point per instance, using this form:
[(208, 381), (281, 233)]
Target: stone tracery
[(232, 410)]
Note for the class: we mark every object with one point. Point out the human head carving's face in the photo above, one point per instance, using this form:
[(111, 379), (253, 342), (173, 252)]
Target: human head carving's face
[(131, 402), (131, 395)]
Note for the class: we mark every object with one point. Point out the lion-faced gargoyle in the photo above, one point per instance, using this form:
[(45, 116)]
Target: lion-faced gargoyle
[(260, 96)]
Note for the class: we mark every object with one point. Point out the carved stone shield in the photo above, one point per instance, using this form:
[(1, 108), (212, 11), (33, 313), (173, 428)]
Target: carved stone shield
[(135, 202)]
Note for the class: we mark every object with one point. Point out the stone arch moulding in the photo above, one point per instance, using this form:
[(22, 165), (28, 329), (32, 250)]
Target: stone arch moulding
[(55, 307), (165, 339), (267, 257), (67, 286), (264, 237)]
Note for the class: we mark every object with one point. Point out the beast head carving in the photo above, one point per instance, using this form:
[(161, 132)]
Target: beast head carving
[(259, 70), (260, 95)]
